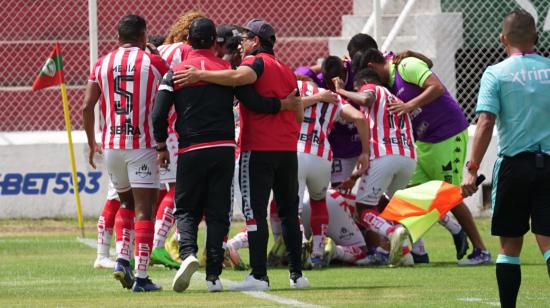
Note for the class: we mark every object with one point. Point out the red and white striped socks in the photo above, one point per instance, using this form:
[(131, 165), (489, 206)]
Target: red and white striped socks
[(165, 218), (144, 242), (124, 227), (105, 225)]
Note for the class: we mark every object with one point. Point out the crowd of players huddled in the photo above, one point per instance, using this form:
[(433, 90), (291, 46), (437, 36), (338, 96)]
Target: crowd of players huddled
[(361, 125)]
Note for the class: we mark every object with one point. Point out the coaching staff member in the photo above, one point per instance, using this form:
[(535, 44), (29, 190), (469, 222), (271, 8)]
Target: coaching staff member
[(206, 161), (268, 152), (515, 94)]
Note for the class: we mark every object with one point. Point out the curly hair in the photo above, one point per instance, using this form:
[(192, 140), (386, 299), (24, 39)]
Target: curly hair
[(180, 30)]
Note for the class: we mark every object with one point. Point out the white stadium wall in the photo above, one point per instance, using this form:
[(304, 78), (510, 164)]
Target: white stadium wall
[(35, 177)]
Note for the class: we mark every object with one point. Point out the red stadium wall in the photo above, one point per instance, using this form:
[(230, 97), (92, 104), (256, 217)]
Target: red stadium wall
[(302, 29)]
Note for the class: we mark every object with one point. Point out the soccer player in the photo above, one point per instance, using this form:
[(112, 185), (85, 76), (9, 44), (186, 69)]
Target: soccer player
[(268, 151), (126, 81), (440, 131), (315, 156), (393, 156), (514, 93)]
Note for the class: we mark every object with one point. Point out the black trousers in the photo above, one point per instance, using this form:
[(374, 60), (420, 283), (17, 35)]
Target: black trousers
[(203, 186), (260, 172)]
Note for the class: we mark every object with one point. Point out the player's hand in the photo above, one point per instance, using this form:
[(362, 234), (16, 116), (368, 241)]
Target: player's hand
[(291, 102), (468, 186), (363, 163), (400, 108), (328, 97), (94, 148), (400, 56), (186, 77), (338, 83), (153, 49), (163, 158), (347, 185)]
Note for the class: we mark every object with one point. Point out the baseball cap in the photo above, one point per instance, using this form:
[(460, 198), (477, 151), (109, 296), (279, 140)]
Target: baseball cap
[(262, 29), (202, 30), (225, 32)]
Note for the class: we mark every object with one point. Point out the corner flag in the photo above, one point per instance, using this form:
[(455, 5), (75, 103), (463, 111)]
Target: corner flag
[(51, 74)]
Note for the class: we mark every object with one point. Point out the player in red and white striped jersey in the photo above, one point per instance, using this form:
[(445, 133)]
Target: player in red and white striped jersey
[(126, 81), (315, 155), (392, 152)]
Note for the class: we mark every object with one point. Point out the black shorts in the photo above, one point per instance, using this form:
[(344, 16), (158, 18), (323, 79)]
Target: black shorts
[(521, 191)]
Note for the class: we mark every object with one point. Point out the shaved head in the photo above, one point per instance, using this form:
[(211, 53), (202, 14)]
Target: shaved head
[(519, 28)]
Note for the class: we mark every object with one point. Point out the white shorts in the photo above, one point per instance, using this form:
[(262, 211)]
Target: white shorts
[(342, 229), (111, 192), (168, 175), (313, 173), (386, 174), (132, 168), (342, 168)]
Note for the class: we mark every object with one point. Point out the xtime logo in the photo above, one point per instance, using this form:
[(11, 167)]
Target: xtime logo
[(34, 183), (540, 75)]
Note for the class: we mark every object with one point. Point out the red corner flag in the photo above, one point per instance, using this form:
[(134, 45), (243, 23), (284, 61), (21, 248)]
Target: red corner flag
[(51, 73)]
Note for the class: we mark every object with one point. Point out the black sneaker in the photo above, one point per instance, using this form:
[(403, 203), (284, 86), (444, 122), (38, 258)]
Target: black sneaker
[(420, 259), (461, 244), (145, 285)]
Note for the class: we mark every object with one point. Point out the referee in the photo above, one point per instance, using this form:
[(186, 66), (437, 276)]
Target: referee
[(268, 151), (515, 94), (206, 161)]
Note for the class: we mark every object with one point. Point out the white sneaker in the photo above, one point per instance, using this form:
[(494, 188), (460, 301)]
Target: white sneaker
[(406, 260), (188, 267), (396, 244), (251, 284), (104, 262), (214, 286), (300, 283)]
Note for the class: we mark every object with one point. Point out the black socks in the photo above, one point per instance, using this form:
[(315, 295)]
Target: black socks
[(509, 281)]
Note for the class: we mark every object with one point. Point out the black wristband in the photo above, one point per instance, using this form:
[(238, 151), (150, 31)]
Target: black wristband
[(161, 149)]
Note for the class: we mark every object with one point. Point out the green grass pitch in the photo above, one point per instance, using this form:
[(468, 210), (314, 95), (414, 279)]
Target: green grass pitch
[(42, 264)]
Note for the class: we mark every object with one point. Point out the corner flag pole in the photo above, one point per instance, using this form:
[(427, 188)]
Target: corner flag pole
[(52, 74), (67, 117)]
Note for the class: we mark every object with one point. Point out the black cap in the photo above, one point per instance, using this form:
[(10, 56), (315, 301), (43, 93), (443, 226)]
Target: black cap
[(202, 30), (225, 32), (262, 29)]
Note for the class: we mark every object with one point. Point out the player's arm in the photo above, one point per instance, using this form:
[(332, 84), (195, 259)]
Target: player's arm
[(325, 96), (417, 72), (350, 114), (163, 103), (243, 75), (409, 53), (91, 96), (300, 107), (488, 108), (365, 98)]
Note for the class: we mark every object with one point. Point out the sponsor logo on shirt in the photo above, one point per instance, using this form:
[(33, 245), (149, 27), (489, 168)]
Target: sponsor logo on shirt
[(540, 75)]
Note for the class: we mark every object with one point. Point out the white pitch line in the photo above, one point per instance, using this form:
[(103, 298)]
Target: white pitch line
[(479, 300), (257, 294)]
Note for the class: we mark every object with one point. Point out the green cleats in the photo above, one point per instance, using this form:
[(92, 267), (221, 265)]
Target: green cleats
[(161, 256)]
